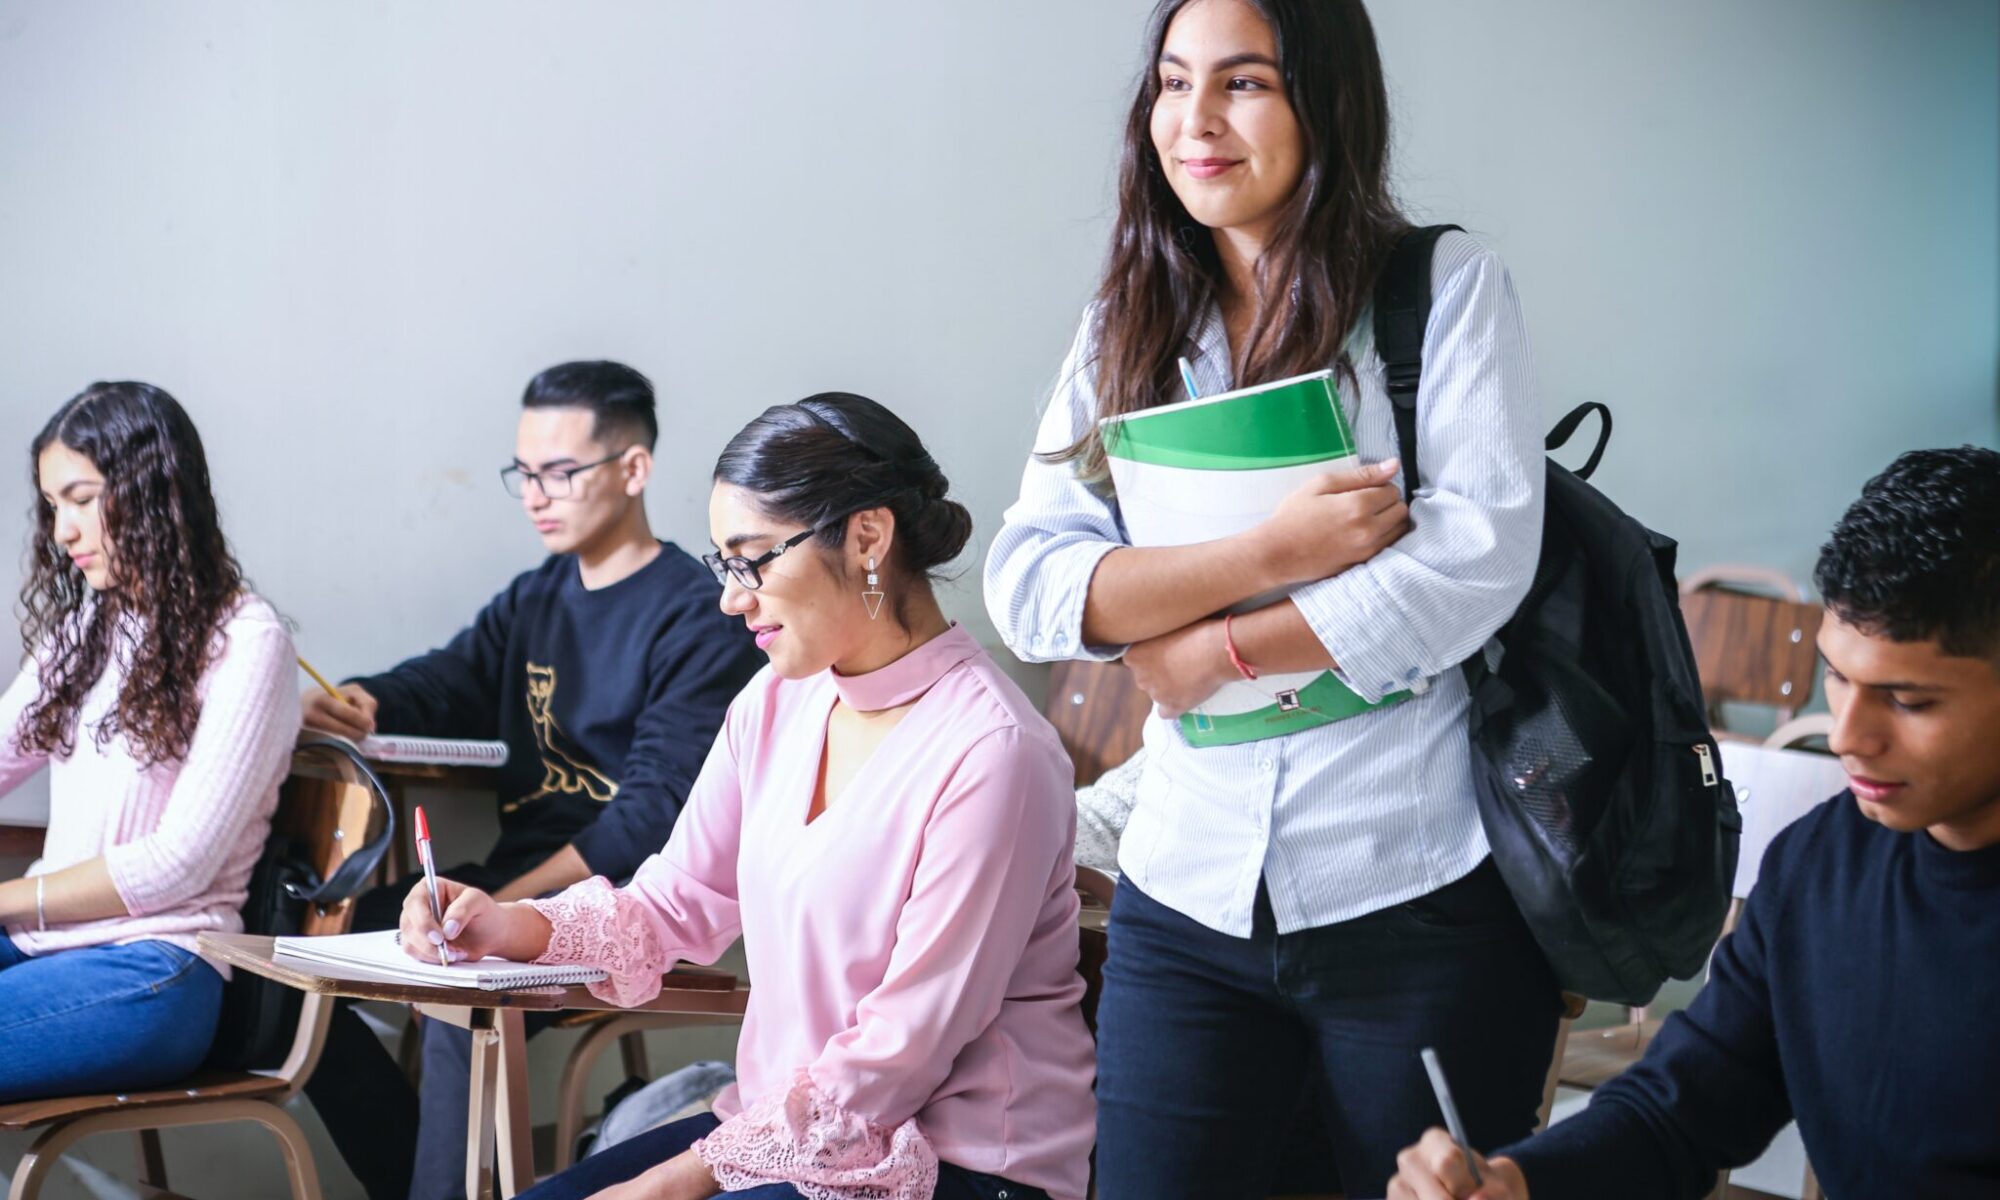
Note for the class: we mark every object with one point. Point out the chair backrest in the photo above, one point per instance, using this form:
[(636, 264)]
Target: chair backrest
[(1099, 713), (1749, 648), (1774, 787), (329, 805)]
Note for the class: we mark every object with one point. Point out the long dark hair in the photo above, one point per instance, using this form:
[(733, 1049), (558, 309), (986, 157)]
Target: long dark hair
[(834, 454), (1316, 276), (172, 571)]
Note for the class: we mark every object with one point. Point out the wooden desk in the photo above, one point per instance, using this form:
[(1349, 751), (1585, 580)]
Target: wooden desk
[(499, 1097)]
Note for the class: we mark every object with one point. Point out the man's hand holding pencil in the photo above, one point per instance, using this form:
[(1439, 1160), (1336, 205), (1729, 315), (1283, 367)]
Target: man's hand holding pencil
[(1436, 1169)]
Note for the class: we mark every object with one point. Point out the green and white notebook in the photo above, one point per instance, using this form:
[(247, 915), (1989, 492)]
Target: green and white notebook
[(1209, 468)]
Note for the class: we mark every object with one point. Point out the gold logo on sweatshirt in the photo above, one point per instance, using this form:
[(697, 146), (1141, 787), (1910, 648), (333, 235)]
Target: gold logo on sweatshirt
[(564, 773)]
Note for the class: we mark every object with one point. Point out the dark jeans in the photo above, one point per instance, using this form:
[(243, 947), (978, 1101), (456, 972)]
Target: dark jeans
[(1208, 1045), (103, 1018), (638, 1155), (369, 1108)]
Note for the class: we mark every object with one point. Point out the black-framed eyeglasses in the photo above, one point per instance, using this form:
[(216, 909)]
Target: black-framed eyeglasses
[(747, 572), (554, 481)]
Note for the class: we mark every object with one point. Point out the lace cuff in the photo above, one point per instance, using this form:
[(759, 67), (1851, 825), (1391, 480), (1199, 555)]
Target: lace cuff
[(595, 924), (801, 1137)]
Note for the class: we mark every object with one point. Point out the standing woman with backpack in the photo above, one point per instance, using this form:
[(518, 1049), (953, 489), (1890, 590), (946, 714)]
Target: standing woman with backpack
[(1297, 916), (160, 694)]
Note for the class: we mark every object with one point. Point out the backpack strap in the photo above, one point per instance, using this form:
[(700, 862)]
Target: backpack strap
[(353, 872), (1402, 311)]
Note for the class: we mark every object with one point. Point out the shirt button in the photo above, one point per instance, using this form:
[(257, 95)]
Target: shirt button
[(1266, 766)]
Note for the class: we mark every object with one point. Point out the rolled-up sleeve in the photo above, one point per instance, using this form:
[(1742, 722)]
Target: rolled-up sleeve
[(1430, 601), (1039, 569)]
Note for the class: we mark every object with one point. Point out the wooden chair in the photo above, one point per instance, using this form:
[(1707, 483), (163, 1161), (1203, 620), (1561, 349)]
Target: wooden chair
[(1750, 648), (1099, 713), (1775, 785), (329, 808)]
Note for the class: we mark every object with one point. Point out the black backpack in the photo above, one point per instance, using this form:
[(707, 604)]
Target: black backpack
[(1598, 782), (259, 1015)]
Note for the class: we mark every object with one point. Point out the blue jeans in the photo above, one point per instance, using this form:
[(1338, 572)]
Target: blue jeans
[(1211, 1047), (636, 1156), (103, 1019)]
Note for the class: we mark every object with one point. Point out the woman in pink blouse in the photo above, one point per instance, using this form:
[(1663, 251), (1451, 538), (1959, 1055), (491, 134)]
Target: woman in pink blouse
[(887, 822), (160, 695)]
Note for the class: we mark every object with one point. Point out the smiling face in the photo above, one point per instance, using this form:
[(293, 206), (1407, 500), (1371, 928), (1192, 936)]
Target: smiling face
[(563, 439), (808, 614), (74, 490), (1228, 142), (1918, 732)]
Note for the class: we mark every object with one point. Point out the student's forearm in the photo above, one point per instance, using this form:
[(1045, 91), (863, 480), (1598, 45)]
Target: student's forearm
[(557, 871), (83, 892), (1143, 592), (1277, 638)]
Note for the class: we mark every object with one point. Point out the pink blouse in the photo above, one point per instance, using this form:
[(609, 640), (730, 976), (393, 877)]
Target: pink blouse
[(913, 949)]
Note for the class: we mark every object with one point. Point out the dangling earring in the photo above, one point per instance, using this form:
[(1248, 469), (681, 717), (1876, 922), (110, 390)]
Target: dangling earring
[(872, 594)]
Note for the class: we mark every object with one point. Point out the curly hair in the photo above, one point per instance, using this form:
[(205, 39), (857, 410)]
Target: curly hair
[(1917, 557), (174, 579)]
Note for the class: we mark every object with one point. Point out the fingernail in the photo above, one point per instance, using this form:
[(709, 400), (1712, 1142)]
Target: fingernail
[(451, 928), (1388, 466), (437, 939)]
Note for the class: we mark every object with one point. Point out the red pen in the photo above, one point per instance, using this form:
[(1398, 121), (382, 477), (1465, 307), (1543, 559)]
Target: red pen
[(430, 878)]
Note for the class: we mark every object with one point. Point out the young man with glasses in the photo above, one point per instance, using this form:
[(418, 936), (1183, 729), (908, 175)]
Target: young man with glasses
[(606, 670)]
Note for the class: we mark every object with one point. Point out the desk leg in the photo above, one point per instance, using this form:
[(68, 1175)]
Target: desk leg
[(517, 1154), (479, 1112)]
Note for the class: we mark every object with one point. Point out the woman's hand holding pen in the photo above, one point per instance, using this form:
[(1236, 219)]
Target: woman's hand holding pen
[(1330, 523), (475, 926), (1434, 1169)]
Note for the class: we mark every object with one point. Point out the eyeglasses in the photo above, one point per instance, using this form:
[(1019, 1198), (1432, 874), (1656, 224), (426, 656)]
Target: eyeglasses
[(746, 571), (554, 482)]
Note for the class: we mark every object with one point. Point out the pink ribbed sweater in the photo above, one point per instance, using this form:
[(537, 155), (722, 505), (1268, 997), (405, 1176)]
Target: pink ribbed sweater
[(179, 838)]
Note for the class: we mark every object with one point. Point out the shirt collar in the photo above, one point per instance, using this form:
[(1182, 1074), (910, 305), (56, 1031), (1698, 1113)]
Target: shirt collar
[(908, 677)]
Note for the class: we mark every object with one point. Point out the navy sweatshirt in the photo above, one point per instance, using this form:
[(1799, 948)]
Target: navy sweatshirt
[(608, 701), (1860, 994)]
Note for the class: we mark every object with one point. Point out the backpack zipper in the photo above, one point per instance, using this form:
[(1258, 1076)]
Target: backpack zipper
[(1708, 775)]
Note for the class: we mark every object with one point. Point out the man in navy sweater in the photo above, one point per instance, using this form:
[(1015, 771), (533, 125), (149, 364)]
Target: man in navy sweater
[(1859, 993), (606, 670)]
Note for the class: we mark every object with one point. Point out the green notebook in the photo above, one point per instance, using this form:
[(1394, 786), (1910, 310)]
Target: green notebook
[(1209, 468)]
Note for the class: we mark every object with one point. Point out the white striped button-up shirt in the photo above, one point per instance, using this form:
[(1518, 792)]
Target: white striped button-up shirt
[(1352, 817)]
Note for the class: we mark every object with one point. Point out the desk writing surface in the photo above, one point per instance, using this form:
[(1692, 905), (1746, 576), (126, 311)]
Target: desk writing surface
[(686, 989)]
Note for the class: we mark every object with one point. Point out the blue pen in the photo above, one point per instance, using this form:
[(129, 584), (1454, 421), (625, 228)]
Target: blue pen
[(1187, 377)]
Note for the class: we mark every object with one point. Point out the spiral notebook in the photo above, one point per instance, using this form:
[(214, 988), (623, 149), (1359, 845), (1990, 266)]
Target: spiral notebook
[(381, 956), (445, 752)]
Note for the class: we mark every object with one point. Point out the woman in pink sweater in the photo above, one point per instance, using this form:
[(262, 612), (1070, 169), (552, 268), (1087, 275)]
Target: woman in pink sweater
[(159, 694), (887, 822)]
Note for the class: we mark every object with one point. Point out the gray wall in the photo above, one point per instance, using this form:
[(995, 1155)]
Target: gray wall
[(346, 234)]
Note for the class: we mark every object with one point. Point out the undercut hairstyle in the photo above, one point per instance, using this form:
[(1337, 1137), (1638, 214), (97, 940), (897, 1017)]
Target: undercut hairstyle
[(829, 456), (1917, 557), (174, 579), (620, 400)]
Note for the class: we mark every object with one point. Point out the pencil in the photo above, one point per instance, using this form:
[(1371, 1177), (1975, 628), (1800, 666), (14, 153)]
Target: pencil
[(1451, 1122), (321, 680)]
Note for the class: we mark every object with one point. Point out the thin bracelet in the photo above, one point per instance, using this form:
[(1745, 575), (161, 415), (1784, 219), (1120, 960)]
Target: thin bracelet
[(41, 914), (1229, 643)]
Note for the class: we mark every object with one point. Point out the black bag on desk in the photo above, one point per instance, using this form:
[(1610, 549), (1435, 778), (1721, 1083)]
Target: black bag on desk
[(1599, 785), (260, 1016)]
